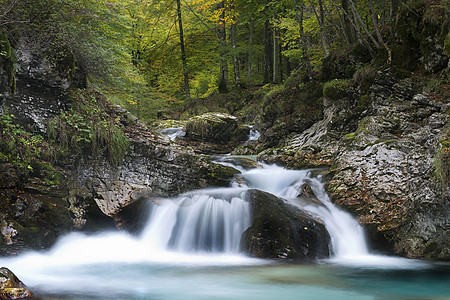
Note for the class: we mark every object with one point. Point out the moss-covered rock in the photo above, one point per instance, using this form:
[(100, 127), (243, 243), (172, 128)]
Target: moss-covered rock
[(7, 72), (33, 215), (218, 128), (280, 230)]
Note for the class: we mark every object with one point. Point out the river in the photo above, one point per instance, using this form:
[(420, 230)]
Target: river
[(189, 249)]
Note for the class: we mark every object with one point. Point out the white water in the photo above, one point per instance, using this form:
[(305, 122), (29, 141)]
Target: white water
[(347, 236), (199, 228), (210, 220), (173, 133), (254, 134)]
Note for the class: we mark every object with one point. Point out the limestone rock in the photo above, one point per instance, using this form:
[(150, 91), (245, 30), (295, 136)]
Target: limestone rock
[(280, 230), (383, 164)]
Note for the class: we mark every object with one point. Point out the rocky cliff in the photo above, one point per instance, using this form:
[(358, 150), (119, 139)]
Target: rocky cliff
[(386, 164)]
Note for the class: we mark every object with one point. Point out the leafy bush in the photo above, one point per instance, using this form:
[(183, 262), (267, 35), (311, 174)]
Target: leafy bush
[(336, 89), (29, 152), (90, 127)]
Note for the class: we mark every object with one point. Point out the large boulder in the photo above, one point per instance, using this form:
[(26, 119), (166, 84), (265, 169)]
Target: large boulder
[(280, 230), (11, 287), (217, 128)]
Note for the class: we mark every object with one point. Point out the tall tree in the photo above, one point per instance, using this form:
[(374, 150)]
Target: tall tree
[(183, 52), (233, 32), (222, 33), (250, 50), (299, 14), (347, 21)]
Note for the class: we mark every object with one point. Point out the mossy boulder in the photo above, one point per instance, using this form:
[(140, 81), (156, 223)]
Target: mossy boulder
[(218, 128), (32, 216), (280, 230)]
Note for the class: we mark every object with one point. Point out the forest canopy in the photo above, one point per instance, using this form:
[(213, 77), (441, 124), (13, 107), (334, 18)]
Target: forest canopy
[(145, 53)]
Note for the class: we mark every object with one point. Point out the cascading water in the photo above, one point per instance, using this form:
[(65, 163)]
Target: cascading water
[(210, 220), (254, 134), (190, 242), (347, 236), (173, 133)]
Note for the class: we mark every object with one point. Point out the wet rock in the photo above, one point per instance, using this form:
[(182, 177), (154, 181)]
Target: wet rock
[(35, 102), (280, 230), (8, 176), (384, 163), (32, 216), (11, 288)]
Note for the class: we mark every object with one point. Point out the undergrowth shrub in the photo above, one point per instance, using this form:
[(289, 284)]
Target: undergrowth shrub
[(90, 127)]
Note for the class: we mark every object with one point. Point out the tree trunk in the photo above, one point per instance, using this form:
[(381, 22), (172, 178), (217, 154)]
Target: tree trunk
[(363, 25), (223, 76), (183, 53), (237, 72), (303, 46), (394, 9), (250, 52), (377, 31), (322, 29), (276, 53), (347, 28), (267, 53)]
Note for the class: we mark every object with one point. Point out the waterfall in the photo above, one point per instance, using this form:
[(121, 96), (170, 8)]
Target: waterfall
[(194, 230), (347, 236), (211, 220)]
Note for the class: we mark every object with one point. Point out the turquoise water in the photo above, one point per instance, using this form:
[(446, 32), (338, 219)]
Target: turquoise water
[(190, 250), (266, 281)]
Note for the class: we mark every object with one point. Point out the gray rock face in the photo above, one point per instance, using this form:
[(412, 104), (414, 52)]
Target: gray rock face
[(280, 230), (150, 168), (383, 169), (35, 102), (34, 63)]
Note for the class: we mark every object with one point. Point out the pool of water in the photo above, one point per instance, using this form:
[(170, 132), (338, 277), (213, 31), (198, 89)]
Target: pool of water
[(237, 278), (190, 250)]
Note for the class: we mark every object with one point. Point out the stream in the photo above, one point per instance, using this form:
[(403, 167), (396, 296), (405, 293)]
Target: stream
[(189, 249)]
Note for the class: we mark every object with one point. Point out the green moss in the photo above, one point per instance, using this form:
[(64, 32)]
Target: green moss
[(351, 135), (441, 162), (219, 175), (364, 77), (336, 89), (5, 47), (7, 62), (26, 150)]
